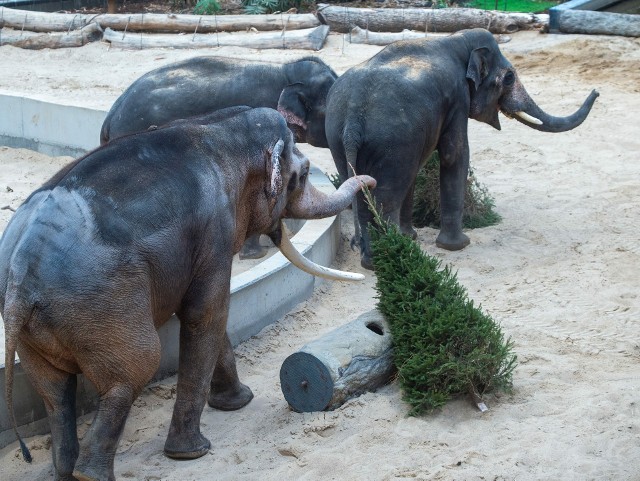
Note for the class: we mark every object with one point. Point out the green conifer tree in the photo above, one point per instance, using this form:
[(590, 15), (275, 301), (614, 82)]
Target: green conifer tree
[(444, 345)]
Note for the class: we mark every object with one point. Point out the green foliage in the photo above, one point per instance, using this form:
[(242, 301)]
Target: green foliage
[(257, 7), (206, 7), (478, 204), (444, 345), (533, 6)]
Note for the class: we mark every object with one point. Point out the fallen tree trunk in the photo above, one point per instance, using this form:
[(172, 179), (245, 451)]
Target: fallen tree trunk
[(360, 35), (343, 19), (154, 22), (598, 23), (37, 40), (309, 39)]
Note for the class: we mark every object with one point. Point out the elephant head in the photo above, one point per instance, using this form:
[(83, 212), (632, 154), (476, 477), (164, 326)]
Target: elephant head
[(303, 101), (288, 193), (495, 87)]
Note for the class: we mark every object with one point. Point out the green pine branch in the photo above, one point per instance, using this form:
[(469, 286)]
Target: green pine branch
[(444, 345)]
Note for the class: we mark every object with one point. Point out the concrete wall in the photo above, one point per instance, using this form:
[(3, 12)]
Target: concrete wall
[(259, 296)]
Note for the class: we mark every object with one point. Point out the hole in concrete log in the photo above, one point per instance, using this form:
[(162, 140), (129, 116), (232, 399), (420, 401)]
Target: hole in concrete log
[(375, 327)]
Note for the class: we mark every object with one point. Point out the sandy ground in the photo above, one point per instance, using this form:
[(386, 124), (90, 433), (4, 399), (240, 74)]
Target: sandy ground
[(560, 273)]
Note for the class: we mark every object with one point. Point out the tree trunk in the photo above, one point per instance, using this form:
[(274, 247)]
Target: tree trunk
[(346, 362), (343, 19), (310, 39), (155, 22), (37, 41), (111, 6), (359, 35), (598, 23)]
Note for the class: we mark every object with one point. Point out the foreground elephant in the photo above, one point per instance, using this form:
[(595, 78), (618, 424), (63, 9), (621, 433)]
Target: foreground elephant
[(386, 116), (201, 85), (107, 250)]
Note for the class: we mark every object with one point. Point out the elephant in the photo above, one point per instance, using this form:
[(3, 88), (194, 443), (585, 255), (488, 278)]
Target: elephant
[(386, 116), (101, 255), (204, 84), (199, 85)]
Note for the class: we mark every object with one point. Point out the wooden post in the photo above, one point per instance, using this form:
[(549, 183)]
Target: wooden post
[(344, 363), (111, 6)]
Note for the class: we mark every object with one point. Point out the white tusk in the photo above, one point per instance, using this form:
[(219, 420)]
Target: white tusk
[(528, 118), (301, 262)]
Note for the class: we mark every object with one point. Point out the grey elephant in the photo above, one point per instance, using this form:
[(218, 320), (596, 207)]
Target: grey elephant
[(204, 84), (101, 255), (386, 116), (199, 85)]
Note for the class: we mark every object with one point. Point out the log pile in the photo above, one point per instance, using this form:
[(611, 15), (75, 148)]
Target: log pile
[(376, 26)]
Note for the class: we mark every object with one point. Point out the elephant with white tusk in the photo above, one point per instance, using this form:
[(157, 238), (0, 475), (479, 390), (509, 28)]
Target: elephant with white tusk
[(386, 116), (102, 255)]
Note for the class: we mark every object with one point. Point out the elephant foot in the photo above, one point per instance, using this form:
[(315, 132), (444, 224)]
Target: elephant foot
[(182, 447), (253, 250), (80, 476), (409, 231), (231, 399), (366, 261), (452, 242), (88, 474)]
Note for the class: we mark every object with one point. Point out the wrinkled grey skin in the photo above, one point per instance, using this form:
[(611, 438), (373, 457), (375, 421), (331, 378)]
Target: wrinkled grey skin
[(100, 256), (200, 85), (386, 116)]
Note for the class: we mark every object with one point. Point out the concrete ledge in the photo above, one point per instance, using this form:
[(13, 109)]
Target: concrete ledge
[(259, 296)]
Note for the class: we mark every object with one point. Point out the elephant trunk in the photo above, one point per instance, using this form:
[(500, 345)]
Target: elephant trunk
[(520, 106), (313, 204)]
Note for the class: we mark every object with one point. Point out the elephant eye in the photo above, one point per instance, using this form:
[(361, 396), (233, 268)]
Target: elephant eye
[(509, 79)]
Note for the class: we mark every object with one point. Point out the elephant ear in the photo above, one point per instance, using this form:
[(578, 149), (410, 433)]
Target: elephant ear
[(273, 167), (292, 104), (478, 67)]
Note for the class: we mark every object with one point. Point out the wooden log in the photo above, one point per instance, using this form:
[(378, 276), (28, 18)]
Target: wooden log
[(309, 38), (42, 21), (155, 22), (150, 22), (598, 23), (38, 40), (343, 19), (346, 362), (360, 35)]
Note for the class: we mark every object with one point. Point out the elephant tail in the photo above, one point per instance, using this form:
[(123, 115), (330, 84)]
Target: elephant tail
[(14, 320)]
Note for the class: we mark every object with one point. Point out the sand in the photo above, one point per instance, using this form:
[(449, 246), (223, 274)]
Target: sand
[(560, 273)]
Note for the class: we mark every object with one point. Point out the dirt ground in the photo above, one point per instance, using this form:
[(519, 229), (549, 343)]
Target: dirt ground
[(560, 273)]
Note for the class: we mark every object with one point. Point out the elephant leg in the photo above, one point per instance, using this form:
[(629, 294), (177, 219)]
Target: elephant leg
[(406, 213), (202, 336), (454, 168), (227, 393), (58, 391), (364, 219), (119, 368), (252, 249)]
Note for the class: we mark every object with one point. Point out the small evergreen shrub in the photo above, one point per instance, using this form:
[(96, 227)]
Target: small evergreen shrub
[(206, 7), (444, 345), (478, 204)]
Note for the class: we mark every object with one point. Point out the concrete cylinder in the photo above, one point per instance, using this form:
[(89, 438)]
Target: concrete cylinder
[(344, 363)]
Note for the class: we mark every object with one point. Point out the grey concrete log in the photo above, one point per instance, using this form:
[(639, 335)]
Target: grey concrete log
[(308, 38), (344, 363)]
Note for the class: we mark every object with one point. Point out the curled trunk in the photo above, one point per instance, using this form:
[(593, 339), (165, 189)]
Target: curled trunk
[(313, 204), (526, 111)]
